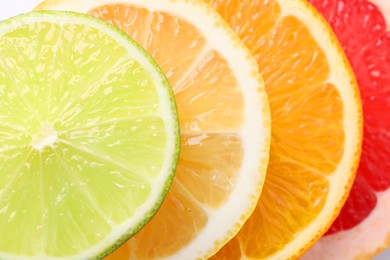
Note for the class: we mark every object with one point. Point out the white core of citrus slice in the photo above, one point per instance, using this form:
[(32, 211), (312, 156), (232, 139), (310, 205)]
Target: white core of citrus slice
[(223, 222), (46, 137), (97, 164)]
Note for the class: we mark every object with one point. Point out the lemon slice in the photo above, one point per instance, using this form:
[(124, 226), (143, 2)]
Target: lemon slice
[(89, 137), (224, 122)]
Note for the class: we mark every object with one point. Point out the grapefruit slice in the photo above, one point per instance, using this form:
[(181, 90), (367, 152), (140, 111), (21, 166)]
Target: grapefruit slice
[(89, 137), (361, 230), (224, 120), (316, 126)]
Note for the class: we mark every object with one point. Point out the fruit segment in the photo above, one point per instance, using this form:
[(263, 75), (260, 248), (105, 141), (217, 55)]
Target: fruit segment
[(28, 58), (134, 144), (209, 98), (161, 34), (67, 201), (242, 16), (186, 219), (208, 165), (365, 23), (21, 220), (293, 197), (310, 115)]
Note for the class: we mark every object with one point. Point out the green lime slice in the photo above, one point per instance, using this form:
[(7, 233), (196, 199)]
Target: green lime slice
[(89, 137)]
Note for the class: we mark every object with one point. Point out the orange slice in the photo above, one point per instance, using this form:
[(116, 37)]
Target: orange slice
[(224, 119), (316, 126)]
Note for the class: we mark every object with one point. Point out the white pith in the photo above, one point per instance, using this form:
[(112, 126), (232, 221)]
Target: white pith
[(367, 238), (46, 137), (223, 222)]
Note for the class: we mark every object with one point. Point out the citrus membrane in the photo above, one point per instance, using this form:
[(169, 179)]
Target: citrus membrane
[(89, 137)]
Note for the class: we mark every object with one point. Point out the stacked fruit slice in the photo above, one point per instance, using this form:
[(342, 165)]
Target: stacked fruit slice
[(361, 229), (316, 127), (224, 121), (85, 160)]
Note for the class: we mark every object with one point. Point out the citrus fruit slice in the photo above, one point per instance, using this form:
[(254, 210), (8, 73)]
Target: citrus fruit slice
[(89, 137), (361, 230), (316, 126), (224, 119)]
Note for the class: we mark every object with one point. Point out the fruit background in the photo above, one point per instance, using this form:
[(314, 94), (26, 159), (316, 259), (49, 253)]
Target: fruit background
[(10, 8)]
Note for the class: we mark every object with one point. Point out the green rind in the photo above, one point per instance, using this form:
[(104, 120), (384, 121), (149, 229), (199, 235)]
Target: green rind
[(152, 212), (149, 215), (117, 33)]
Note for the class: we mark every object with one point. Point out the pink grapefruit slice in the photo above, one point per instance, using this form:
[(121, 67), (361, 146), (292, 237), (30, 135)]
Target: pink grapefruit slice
[(362, 229)]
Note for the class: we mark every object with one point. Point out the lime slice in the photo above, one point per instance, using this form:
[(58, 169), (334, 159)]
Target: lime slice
[(89, 137)]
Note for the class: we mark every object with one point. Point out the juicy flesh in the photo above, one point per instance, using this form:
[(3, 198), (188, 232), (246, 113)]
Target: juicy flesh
[(210, 107), (66, 147), (307, 126), (366, 41)]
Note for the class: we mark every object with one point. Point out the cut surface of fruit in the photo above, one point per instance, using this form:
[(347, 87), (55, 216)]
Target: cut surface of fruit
[(316, 126), (89, 137), (224, 119), (361, 230)]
